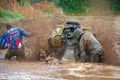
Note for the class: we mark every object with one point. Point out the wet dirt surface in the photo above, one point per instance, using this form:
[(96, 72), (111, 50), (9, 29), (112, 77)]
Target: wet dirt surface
[(29, 70)]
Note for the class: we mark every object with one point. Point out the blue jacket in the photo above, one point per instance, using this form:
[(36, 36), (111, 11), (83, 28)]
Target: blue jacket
[(13, 38)]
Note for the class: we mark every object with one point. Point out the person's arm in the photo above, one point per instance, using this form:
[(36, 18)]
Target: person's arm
[(3, 41), (24, 33), (0, 41)]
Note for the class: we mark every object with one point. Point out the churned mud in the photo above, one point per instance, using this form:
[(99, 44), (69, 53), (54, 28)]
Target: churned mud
[(66, 71)]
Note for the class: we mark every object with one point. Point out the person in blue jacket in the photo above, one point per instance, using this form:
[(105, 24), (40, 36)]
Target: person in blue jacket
[(13, 38)]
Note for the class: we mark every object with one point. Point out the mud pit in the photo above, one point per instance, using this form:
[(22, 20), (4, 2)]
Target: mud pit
[(66, 71), (41, 28)]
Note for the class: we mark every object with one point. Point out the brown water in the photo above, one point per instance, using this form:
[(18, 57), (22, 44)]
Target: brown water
[(66, 71)]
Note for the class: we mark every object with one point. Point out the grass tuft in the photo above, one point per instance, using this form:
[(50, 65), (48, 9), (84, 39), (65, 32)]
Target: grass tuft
[(10, 15)]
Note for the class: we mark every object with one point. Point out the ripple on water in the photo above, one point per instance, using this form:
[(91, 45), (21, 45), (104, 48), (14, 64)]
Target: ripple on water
[(81, 71)]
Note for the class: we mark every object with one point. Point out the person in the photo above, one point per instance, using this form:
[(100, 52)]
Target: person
[(14, 42)]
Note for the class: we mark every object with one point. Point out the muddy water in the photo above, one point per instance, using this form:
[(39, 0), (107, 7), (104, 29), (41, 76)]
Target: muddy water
[(66, 71), (24, 70), (87, 71)]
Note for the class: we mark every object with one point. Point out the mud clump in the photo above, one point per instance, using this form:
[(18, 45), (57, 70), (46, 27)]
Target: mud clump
[(52, 60), (42, 55)]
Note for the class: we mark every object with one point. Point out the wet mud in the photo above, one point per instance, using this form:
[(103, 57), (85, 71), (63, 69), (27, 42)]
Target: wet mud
[(67, 70)]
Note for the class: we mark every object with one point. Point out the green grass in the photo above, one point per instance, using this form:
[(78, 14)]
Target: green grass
[(10, 15)]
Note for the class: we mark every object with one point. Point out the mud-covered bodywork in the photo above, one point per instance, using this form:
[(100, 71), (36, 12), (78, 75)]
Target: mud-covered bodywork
[(56, 43), (90, 48)]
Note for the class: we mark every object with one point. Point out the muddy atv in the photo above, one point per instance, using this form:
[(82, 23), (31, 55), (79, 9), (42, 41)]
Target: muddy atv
[(63, 37), (68, 37)]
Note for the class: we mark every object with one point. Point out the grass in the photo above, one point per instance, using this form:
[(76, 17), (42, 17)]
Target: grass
[(9, 15), (48, 10)]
